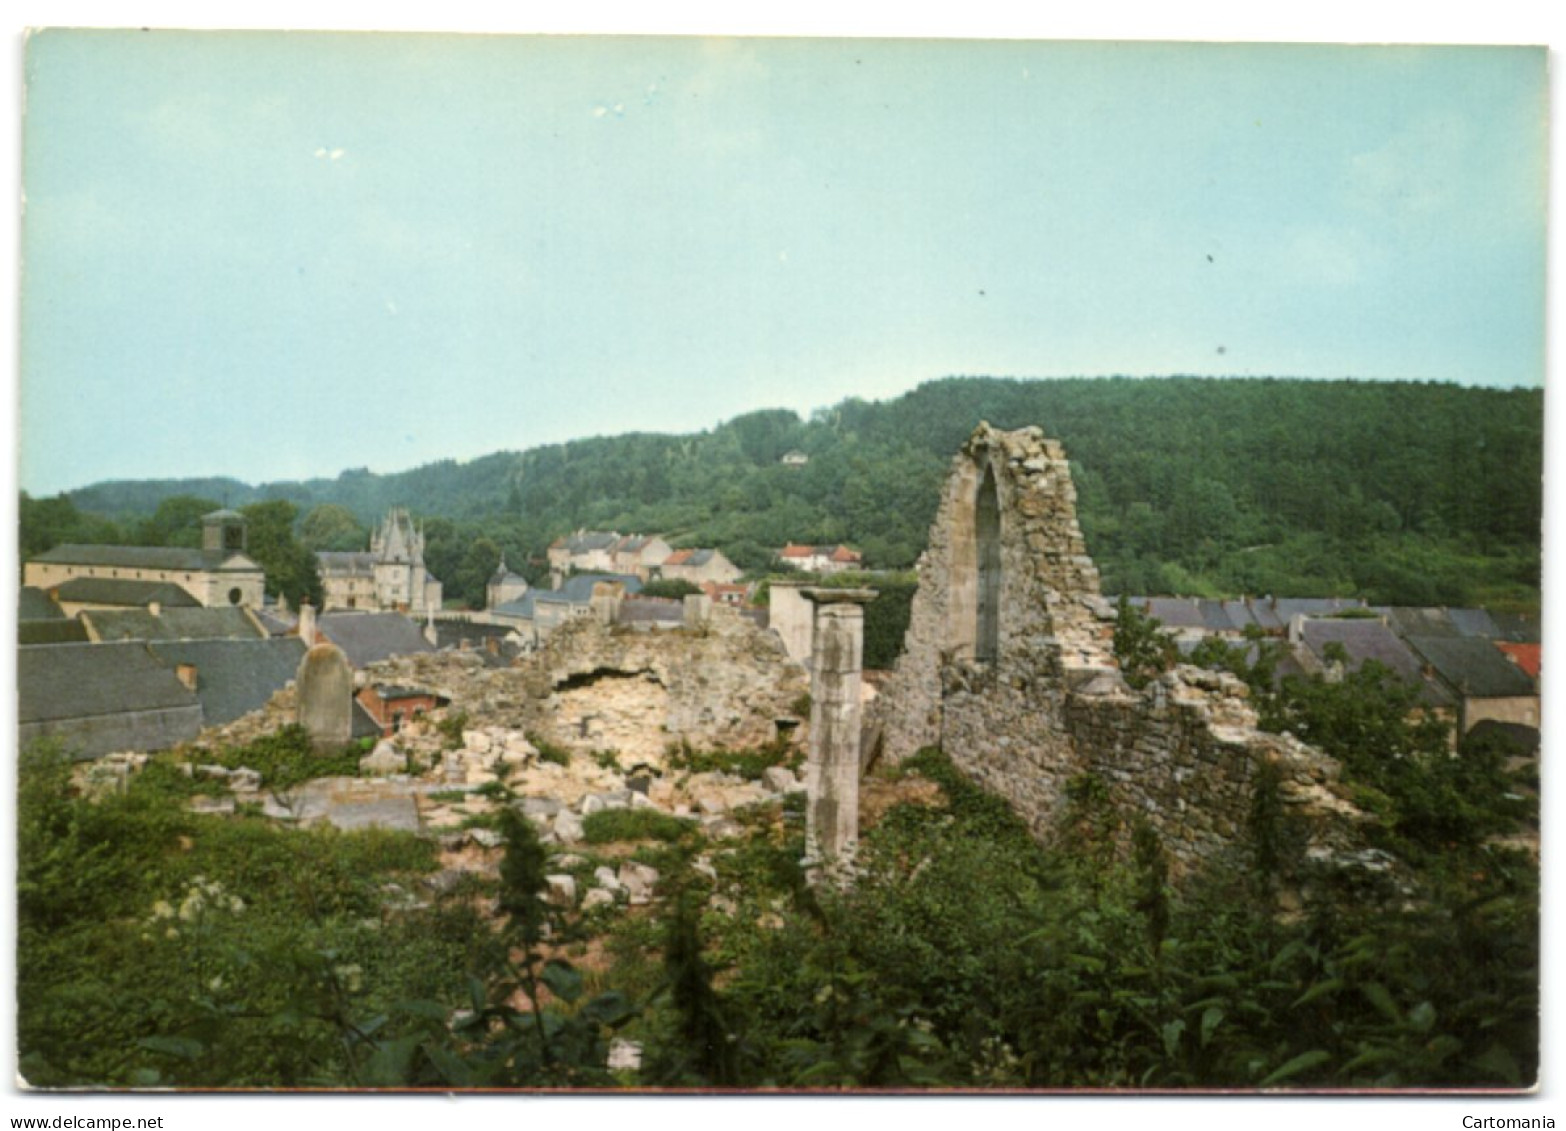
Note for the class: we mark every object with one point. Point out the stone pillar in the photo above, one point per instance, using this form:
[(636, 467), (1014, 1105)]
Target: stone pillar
[(307, 629), (605, 608), (832, 773), (324, 688), (698, 609)]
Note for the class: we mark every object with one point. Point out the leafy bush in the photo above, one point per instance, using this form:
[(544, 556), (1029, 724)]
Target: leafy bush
[(608, 825), (286, 758), (747, 764), (549, 752)]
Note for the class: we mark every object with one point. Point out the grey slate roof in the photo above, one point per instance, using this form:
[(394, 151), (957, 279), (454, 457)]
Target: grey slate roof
[(346, 563), (1173, 612), (1517, 628), (276, 623), (71, 681), (1472, 667), (125, 592), (368, 637), (1288, 608), (172, 624), (588, 540), (1474, 622), (577, 590), (1366, 640), (1409, 620), (234, 677), (35, 604), (147, 557), (51, 632), (453, 633)]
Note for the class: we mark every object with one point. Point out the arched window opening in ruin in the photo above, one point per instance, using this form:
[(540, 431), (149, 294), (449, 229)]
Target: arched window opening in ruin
[(986, 642)]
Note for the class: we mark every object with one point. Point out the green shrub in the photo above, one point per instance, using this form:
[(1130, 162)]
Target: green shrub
[(747, 764), (549, 752), (633, 824), (286, 758)]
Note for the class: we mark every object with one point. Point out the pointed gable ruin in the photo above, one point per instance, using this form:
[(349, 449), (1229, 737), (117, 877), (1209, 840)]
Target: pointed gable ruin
[(1009, 667)]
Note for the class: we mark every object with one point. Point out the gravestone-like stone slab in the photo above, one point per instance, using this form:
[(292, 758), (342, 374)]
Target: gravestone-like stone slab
[(325, 694)]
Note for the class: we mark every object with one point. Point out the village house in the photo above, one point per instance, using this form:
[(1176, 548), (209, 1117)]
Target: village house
[(599, 551), (389, 577), (83, 593), (218, 574), (392, 705), (172, 624), (820, 559), (540, 611), (100, 698), (1484, 682), (795, 458), (583, 552), (732, 596), (639, 554), (503, 586), (1319, 642), (698, 566), (231, 677), (366, 638)]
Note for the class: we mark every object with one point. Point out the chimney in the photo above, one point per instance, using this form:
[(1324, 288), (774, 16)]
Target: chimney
[(154, 607), (187, 675), (492, 645), (307, 629)]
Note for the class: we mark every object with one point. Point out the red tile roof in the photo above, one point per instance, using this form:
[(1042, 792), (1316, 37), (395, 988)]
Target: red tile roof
[(1525, 656)]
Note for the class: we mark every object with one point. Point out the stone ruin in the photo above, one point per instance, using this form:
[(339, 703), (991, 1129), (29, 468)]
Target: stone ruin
[(1008, 666), (325, 697)]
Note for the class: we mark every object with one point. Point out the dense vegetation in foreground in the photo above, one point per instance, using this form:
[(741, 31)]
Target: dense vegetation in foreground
[(157, 947), (1402, 492)]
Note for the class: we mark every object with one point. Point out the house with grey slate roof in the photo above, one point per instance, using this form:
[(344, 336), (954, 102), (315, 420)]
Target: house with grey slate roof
[(1364, 641), (698, 566), (388, 577), (1478, 675), (100, 698), (367, 638), (231, 678), (172, 624), (35, 604), (219, 573), (120, 593), (540, 611)]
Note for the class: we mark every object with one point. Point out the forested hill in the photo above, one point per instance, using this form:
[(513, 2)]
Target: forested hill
[(1399, 491)]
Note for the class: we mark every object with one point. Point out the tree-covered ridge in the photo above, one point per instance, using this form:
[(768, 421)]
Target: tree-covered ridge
[(1418, 493)]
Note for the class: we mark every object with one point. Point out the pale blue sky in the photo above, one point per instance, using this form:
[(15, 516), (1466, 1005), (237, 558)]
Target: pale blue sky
[(279, 256)]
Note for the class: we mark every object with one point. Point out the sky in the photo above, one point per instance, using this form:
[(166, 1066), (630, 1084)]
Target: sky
[(275, 256)]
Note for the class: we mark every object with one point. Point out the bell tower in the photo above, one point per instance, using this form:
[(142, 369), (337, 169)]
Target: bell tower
[(223, 532)]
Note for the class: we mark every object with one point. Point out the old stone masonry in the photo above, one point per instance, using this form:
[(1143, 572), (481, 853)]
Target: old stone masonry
[(1008, 665)]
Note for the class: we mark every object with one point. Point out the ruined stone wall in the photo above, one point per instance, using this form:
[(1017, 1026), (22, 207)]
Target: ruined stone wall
[(1035, 699), (725, 684), (593, 687)]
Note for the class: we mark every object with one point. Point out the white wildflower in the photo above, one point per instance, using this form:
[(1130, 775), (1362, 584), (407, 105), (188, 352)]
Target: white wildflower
[(351, 976)]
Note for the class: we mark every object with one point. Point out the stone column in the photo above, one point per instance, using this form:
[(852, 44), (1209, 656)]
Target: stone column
[(698, 609), (832, 774), (307, 626)]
